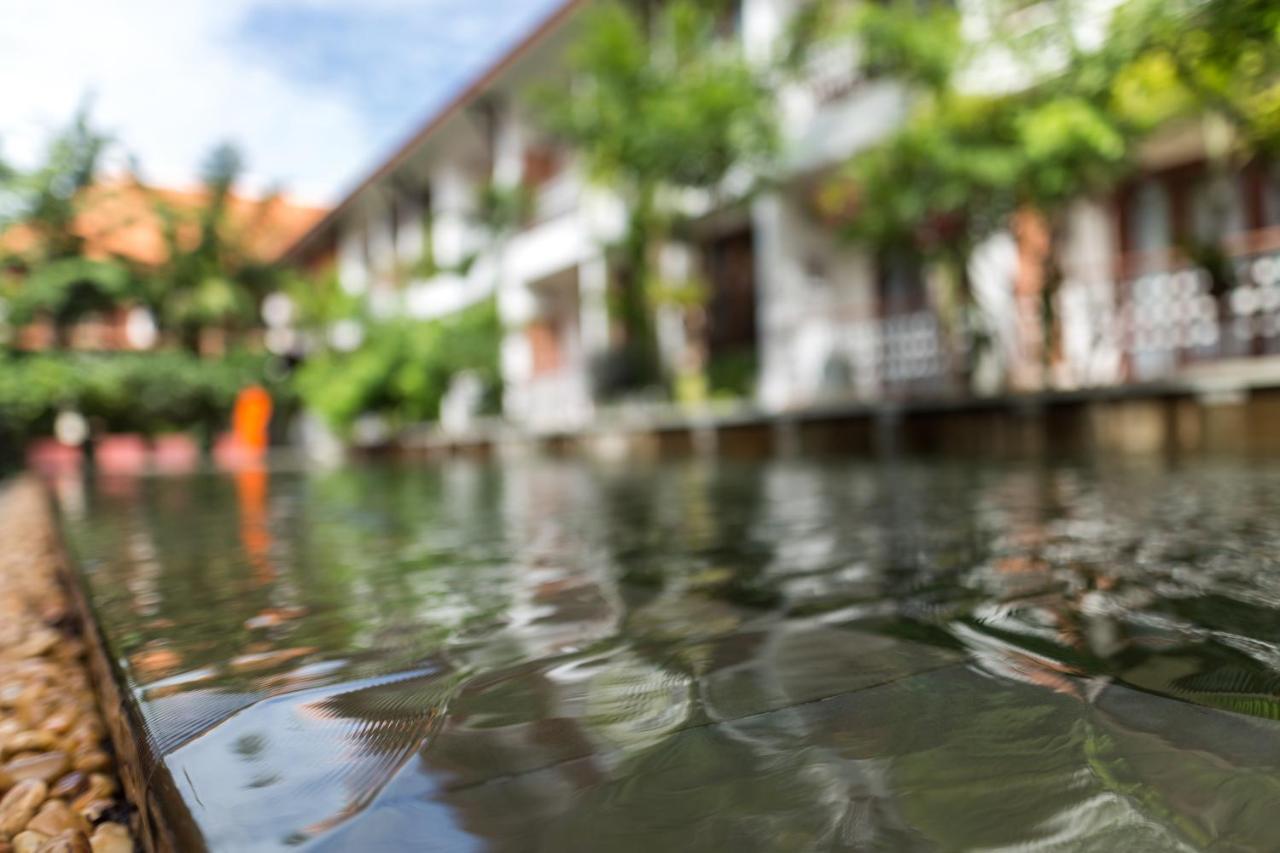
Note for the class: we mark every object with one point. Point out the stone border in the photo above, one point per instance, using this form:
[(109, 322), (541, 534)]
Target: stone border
[(161, 819), (61, 792)]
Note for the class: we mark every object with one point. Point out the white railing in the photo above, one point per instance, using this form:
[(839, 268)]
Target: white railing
[(557, 197), (1172, 317), (904, 355), (560, 400)]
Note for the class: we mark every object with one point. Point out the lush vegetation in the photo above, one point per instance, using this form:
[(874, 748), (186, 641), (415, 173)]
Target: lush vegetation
[(146, 393), (1061, 120), (49, 273), (55, 268), (210, 278), (665, 110), (404, 368), (661, 104)]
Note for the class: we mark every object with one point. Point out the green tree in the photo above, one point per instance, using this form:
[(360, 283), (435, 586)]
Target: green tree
[(659, 103), (1214, 61), (211, 278), (42, 212), (1182, 58), (968, 158), (404, 367), (319, 301)]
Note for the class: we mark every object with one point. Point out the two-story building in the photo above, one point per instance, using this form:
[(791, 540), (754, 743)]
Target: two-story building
[(823, 320)]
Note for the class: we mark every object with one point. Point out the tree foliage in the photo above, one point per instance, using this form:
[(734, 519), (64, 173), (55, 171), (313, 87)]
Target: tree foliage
[(659, 103), (47, 199), (1184, 58), (210, 277), (127, 392), (44, 207), (662, 102), (966, 159), (1060, 118), (404, 368)]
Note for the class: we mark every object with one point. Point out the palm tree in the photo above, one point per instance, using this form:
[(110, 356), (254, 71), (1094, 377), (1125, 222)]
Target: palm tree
[(209, 280), (41, 211)]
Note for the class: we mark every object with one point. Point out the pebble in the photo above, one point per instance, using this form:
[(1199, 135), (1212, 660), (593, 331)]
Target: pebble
[(67, 842), (29, 841), (37, 643), (111, 838), (38, 740), (20, 804), (69, 785), (93, 810), (52, 736), (92, 761), (59, 722), (100, 787), (86, 735), (45, 766), (56, 817)]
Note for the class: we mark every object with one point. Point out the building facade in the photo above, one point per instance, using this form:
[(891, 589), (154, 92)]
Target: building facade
[(818, 320)]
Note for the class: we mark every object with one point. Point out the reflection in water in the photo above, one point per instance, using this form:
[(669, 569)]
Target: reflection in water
[(779, 657), (255, 533)]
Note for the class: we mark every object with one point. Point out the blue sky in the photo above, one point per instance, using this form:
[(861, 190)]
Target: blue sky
[(313, 91)]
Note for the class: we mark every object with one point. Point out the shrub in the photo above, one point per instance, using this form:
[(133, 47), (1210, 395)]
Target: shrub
[(404, 368), (125, 392)]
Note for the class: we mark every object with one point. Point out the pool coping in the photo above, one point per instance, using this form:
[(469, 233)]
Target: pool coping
[(163, 822)]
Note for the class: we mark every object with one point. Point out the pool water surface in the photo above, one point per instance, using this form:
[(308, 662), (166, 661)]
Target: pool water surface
[(785, 655)]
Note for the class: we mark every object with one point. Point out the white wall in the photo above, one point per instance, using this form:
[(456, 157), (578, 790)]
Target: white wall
[(816, 301), (816, 298), (1087, 300)]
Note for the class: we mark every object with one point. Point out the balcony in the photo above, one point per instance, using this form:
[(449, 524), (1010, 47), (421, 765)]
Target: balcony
[(1171, 318), (557, 197)]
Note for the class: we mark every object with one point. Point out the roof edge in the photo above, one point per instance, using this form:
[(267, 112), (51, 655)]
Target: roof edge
[(434, 121)]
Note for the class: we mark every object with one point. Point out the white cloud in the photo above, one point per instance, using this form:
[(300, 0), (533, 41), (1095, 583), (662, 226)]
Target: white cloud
[(168, 83)]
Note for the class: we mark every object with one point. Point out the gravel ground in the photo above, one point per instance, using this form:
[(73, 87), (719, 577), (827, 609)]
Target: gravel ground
[(57, 774)]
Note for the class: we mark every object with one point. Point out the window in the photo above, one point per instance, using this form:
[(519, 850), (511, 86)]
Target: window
[(394, 217), (902, 283), (1148, 218), (542, 162), (729, 18), (1217, 208), (1271, 196)]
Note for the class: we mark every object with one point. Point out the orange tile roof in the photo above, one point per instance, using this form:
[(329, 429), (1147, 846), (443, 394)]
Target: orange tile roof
[(120, 218)]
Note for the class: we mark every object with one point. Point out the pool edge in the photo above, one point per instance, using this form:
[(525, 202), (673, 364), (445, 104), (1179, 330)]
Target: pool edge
[(163, 824)]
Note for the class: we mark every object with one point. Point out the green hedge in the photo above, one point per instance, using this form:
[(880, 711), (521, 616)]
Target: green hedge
[(124, 392), (404, 368)]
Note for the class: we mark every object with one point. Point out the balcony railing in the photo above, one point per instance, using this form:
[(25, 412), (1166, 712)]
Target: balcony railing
[(1173, 317), (892, 358)]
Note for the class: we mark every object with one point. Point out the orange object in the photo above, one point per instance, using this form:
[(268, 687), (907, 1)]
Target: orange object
[(255, 532), (250, 420)]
